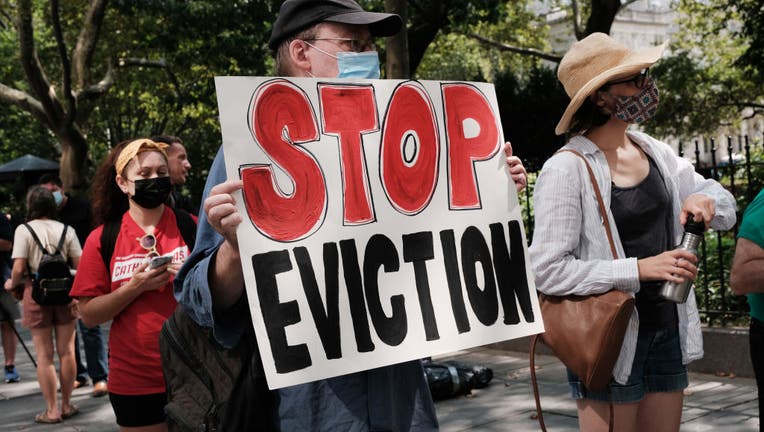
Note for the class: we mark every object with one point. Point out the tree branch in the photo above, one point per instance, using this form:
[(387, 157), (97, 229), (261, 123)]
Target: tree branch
[(6, 20), (32, 68), (754, 114), (65, 65), (741, 104), (86, 42), (23, 100), (626, 3), (133, 61), (161, 63), (96, 90), (524, 51), (577, 20)]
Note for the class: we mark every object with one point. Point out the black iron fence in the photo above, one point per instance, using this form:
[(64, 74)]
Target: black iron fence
[(740, 169)]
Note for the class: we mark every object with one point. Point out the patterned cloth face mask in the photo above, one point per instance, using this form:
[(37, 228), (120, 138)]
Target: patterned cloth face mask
[(640, 107)]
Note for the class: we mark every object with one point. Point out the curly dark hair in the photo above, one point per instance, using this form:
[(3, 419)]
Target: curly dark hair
[(40, 203), (109, 202)]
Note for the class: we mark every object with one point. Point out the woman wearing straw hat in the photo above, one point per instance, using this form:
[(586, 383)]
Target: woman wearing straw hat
[(649, 193)]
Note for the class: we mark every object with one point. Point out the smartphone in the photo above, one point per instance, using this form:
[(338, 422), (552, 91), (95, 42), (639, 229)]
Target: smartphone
[(159, 261)]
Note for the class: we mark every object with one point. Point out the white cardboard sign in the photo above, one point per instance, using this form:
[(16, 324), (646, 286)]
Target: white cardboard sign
[(380, 224)]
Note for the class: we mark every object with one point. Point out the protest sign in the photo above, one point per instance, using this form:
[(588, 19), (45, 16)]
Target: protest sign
[(380, 223)]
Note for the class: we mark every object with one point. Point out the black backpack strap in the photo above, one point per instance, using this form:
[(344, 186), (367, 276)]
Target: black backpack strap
[(39, 244), (185, 222), (108, 240), (60, 246), (36, 239), (187, 227)]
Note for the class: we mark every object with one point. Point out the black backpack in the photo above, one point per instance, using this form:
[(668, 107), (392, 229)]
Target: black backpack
[(53, 280), (211, 388)]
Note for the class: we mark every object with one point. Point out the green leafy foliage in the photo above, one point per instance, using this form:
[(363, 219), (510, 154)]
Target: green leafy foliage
[(530, 108), (453, 55), (704, 82), (712, 283), (752, 27)]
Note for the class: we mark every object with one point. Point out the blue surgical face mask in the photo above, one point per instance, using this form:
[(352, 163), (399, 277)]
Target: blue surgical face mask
[(358, 65), (59, 197), (355, 65)]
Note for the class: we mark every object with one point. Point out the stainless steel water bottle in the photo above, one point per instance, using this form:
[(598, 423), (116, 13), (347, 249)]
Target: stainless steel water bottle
[(693, 233)]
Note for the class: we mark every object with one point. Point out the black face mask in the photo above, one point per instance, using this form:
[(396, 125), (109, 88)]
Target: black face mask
[(151, 193)]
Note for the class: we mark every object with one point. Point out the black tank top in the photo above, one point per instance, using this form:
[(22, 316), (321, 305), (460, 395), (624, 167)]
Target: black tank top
[(643, 216)]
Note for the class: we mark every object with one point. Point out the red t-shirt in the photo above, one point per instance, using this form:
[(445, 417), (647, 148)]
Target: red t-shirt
[(135, 366)]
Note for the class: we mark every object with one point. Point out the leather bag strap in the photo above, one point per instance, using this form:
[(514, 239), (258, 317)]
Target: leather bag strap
[(534, 383), (534, 338)]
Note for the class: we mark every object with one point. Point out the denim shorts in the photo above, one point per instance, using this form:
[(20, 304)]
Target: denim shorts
[(657, 367)]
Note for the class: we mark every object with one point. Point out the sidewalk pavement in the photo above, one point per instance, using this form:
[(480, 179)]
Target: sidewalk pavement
[(711, 404)]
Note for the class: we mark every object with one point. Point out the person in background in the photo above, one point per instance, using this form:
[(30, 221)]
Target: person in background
[(49, 325), (649, 193), (177, 160), (9, 307), (132, 185), (76, 213), (747, 277)]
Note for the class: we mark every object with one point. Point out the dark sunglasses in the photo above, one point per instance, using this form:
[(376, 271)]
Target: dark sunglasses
[(639, 80), (149, 242)]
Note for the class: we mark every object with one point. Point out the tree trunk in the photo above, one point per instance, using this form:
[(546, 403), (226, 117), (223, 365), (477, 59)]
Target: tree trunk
[(74, 152), (602, 16), (397, 63)]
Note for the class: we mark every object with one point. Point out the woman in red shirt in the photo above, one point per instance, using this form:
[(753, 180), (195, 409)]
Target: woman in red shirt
[(131, 186)]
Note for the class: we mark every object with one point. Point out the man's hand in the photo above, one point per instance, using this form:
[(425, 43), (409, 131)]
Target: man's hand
[(222, 214), (516, 168)]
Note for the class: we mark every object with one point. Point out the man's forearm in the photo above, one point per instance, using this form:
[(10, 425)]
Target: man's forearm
[(747, 274), (226, 279), (749, 279)]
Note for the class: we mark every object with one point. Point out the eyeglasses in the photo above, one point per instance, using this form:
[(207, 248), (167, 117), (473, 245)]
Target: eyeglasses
[(638, 80), (149, 242), (356, 45)]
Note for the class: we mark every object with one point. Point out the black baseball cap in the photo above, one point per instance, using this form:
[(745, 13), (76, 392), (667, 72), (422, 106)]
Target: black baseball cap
[(296, 15)]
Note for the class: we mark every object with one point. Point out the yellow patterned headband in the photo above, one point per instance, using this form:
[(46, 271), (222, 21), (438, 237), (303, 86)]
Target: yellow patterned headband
[(138, 146)]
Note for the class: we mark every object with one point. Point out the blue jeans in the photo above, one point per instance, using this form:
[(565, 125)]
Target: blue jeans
[(657, 367), (95, 354)]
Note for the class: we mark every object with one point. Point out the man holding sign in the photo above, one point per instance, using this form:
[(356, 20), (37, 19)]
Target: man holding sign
[(311, 39)]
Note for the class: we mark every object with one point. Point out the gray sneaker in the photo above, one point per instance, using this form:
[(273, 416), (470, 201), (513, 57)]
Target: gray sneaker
[(11, 376)]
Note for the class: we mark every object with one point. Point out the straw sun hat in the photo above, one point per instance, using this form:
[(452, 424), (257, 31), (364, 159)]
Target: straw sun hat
[(592, 62)]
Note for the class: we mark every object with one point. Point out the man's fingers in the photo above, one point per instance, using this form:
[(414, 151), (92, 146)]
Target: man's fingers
[(220, 211), (227, 187), (221, 195), (508, 148)]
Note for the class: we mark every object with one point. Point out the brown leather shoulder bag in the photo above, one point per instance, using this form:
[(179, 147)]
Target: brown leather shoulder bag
[(585, 332)]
